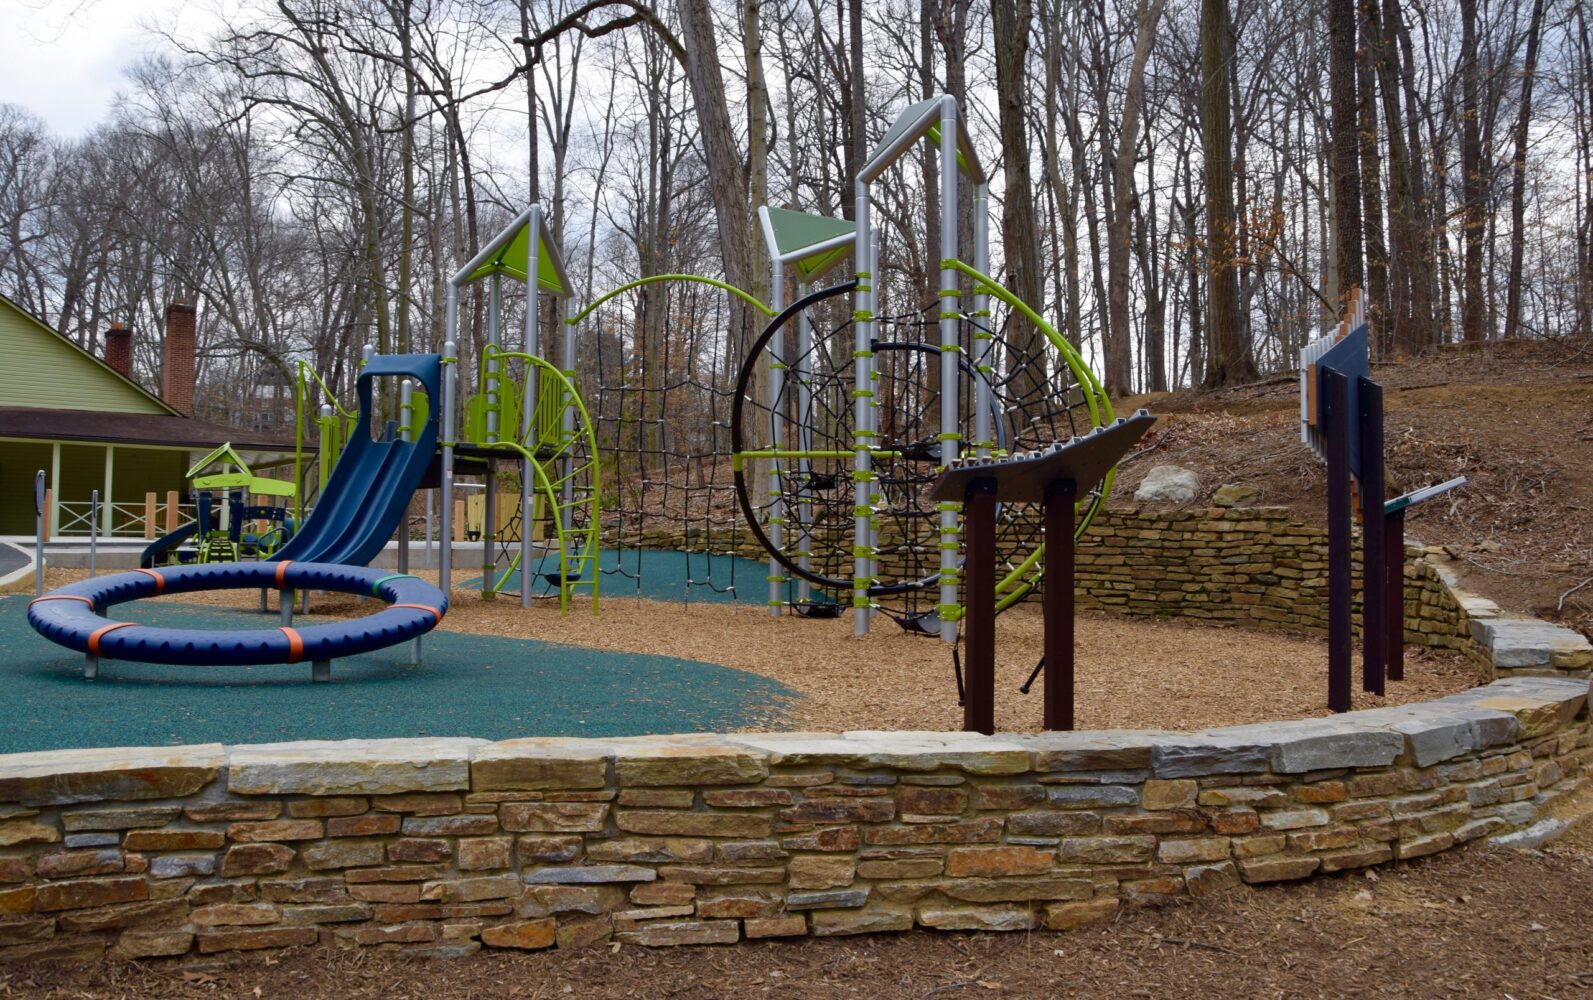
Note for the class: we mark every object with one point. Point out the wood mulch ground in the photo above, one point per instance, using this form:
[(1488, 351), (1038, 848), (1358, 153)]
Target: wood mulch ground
[(1478, 922), (1132, 673)]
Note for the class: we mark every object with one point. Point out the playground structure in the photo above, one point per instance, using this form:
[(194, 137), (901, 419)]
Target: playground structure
[(858, 420), (828, 444), (226, 528)]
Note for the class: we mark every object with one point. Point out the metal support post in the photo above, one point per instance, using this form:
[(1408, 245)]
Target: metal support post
[(94, 532), (1059, 639), (979, 524), (528, 400), (1394, 569), (947, 308), (406, 417), (1374, 578), (776, 438), (1340, 425), (862, 388)]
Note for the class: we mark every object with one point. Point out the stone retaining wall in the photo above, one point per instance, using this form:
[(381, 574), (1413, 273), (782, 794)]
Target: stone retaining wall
[(444, 846), (1259, 567)]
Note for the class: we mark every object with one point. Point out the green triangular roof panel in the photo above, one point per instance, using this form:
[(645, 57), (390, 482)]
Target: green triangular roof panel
[(904, 122), (810, 269), (920, 120), (509, 253), (226, 453), (813, 244), (792, 231)]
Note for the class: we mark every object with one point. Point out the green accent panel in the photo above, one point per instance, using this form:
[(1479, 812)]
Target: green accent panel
[(903, 122), (513, 260), (795, 230), (44, 369)]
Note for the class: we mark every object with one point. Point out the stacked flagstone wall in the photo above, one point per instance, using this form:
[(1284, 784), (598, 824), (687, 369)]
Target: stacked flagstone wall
[(1256, 567), (447, 846)]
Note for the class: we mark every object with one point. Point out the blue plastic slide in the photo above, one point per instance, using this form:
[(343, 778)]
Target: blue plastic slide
[(373, 481)]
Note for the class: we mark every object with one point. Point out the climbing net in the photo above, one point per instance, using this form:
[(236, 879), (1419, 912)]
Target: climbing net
[(800, 491), (658, 369)]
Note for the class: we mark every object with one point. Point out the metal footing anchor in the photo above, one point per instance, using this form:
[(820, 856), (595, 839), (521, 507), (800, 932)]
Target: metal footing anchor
[(321, 671), (91, 666)]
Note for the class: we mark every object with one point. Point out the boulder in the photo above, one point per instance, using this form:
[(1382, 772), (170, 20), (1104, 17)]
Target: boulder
[(1168, 483), (1234, 495)]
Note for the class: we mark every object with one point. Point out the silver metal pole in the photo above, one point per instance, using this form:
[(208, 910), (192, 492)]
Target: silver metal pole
[(949, 548), (94, 531), (445, 530), (406, 416), (862, 389), (528, 400), (38, 534), (493, 377), (873, 408), (982, 345), (776, 437), (431, 514), (567, 517), (804, 418)]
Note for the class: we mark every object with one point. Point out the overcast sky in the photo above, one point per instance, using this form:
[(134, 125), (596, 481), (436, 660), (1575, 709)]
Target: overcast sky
[(64, 59)]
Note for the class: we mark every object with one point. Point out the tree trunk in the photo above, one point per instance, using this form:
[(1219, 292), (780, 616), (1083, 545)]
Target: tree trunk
[(1371, 176), (1231, 361), (1346, 146), (1473, 184), (1518, 184), (1019, 232), (1119, 369)]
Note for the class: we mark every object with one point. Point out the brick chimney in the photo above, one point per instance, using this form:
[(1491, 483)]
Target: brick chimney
[(119, 349), (177, 362)]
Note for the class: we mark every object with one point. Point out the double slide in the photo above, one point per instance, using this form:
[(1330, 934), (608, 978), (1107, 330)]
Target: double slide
[(371, 485)]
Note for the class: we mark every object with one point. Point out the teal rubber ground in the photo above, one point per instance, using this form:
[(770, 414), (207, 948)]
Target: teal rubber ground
[(469, 685), (664, 575)]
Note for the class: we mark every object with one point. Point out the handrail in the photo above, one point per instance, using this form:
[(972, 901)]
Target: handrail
[(723, 286)]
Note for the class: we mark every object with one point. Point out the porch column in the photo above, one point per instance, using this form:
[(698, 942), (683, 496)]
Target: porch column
[(106, 494), (54, 512)]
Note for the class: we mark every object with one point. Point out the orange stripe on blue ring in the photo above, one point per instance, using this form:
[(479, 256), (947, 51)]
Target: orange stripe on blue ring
[(94, 637), (282, 571), (421, 607), (295, 642), (160, 581), (62, 597)]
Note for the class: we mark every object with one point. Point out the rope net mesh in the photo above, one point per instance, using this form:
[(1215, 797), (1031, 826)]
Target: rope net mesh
[(798, 480)]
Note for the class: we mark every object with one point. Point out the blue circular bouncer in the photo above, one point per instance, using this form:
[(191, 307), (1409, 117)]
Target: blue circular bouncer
[(73, 616)]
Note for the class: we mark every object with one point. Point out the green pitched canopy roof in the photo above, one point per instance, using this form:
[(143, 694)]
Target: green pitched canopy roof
[(921, 120), (813, 243), (510, 251)]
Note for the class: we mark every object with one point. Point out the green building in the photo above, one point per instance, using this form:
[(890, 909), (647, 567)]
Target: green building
[(89, 425)]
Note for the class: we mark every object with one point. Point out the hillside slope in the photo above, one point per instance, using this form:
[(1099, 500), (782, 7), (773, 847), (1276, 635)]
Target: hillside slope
[(1515, 418)]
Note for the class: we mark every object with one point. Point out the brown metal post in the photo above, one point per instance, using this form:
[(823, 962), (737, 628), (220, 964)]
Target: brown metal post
[(1394, 566), (1374, 579), (979, 588), (1340, 588), (1059, 564)]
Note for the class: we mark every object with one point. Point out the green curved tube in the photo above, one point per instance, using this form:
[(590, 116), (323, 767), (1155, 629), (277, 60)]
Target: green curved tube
[(723, 286)]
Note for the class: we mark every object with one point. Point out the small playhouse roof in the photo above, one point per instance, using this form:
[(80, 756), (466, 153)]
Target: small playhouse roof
[(812, 243), (509, 253), (920, 120)]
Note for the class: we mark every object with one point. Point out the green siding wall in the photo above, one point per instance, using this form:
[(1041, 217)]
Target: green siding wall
[(40, 368)]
